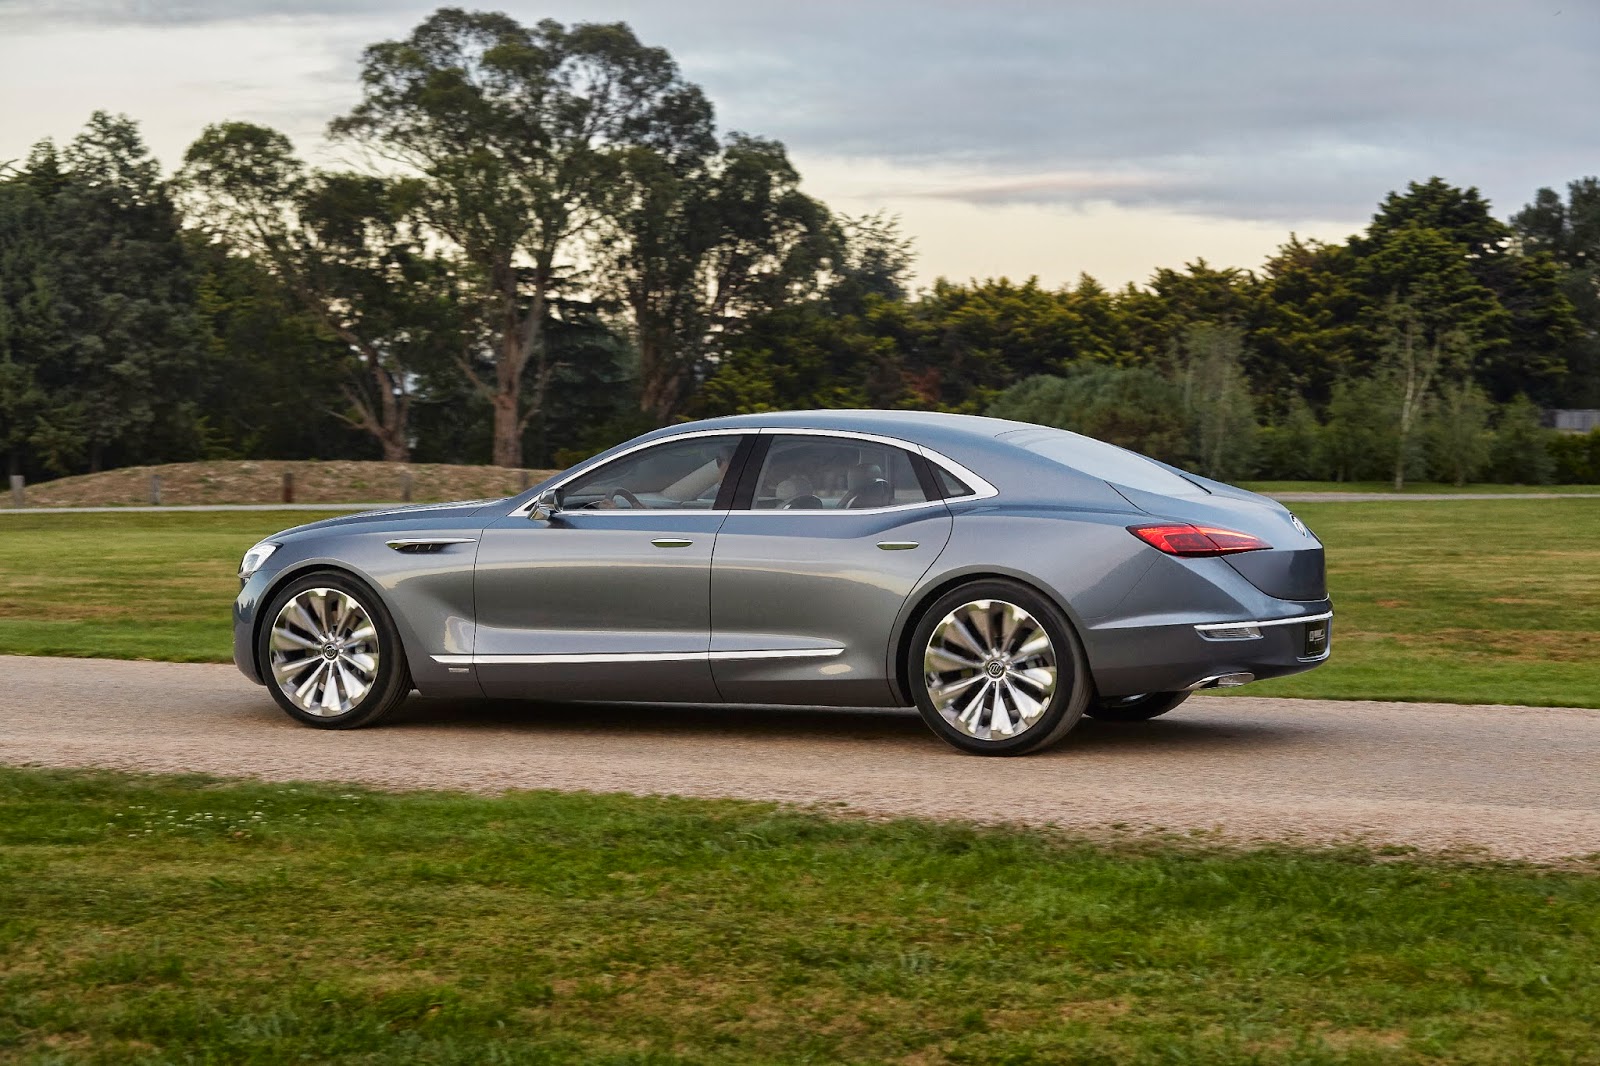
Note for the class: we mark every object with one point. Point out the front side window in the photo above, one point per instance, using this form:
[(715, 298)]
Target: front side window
[(677, 475), (806, 473)]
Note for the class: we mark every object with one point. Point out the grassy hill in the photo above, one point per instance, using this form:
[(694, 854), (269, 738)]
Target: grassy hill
[(261, 481)]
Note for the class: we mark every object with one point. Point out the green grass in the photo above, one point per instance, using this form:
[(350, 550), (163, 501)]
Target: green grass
[(1412, 488), (165, 920), (133, 586), (1474, 601)]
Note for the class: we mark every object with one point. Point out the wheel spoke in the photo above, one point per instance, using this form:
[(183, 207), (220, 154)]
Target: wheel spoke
[(990, 669), (325, 654)]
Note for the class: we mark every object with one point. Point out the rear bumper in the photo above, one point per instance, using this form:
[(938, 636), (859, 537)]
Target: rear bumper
[(1128, 661)]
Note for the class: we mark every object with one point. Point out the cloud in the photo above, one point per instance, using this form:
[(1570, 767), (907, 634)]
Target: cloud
[(1246, 109)]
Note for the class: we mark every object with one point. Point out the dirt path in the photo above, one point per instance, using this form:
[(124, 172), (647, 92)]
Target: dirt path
[(1509, 781)]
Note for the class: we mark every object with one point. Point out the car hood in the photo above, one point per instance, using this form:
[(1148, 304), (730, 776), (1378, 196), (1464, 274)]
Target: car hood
[(400, 516)]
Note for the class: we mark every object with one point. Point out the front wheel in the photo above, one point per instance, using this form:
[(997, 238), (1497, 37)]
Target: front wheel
[(1135, 708), (996, 669), (330, 654)]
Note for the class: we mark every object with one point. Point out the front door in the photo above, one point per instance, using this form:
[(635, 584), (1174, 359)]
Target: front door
[(810, 572), (610, 598)]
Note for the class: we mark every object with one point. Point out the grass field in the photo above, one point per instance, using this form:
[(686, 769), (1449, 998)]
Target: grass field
[(1414, 488), (1475, 601), (161, 920)]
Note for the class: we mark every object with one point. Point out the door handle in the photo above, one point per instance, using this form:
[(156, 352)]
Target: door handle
[(671, 542), (897, 545)]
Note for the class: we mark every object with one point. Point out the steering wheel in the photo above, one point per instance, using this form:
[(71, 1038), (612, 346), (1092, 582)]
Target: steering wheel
[(620, 493)]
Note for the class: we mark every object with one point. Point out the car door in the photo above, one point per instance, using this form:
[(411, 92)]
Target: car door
[(609, 598), (829, 534)]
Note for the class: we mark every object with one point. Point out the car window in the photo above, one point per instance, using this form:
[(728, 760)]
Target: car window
[(806, 473), (1104, 461), (952, 486), (677, 475)]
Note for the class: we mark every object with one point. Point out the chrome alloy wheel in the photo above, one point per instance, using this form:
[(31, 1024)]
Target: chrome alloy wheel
[(324, 652), (990, 669)]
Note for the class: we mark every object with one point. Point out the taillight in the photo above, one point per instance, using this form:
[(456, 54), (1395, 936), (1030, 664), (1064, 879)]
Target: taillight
[(1197, 541)]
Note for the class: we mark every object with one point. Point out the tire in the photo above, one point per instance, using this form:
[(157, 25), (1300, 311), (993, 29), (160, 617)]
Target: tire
[(330, 654), (1135, 708), (965, 669)]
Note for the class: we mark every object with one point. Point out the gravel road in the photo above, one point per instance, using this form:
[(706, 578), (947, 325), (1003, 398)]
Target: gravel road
[(1512, 782)]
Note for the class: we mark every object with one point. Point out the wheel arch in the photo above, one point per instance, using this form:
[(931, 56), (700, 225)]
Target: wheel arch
[(900, 675)]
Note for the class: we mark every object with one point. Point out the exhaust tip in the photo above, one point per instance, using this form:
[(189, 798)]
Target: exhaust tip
[(1223, 681)]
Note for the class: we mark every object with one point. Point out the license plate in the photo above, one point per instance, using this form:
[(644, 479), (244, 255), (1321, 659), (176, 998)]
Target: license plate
[(1317, 635)]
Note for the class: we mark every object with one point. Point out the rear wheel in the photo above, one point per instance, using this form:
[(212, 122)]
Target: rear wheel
[(1135, 708), (330, 654), (996, 669)]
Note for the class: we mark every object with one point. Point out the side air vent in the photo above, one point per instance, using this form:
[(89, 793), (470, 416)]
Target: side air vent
[(427, 546)]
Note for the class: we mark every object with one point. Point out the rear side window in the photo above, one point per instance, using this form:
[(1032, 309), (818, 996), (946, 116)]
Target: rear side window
[(951, 486), (815, 473), (1104, 461)]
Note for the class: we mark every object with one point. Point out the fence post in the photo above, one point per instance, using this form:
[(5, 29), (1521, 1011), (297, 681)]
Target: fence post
[(155, 490), (405, 486), (288, 486), (16, 491)]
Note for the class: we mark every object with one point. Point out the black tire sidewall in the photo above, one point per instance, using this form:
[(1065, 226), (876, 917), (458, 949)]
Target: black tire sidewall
[(1068, 702), (1151, 705), (392, 683)]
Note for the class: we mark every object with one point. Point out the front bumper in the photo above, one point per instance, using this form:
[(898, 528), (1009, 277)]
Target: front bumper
[(1129, 661)]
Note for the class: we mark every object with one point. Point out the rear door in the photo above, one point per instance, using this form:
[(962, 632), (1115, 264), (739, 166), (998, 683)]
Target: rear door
[(829, 534)]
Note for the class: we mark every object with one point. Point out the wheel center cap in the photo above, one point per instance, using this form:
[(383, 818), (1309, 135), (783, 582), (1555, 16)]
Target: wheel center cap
[(995, 668), (330, 651)]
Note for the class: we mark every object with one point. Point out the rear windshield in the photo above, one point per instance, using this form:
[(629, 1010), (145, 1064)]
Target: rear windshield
[(1104, 461)]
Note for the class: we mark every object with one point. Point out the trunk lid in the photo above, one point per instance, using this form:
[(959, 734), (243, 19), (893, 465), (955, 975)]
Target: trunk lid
[(1293, 569)]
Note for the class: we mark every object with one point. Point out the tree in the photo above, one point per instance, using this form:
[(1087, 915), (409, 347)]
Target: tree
[(99, 331), (1567, 233), (703, 245), (517, 134), (1358, 434), (350, 248), (1218, 399)]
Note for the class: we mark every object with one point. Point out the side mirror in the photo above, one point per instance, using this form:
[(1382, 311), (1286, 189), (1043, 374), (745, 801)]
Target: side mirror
[(546, 506)]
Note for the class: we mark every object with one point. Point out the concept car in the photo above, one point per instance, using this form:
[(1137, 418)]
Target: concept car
[(1003, 577)]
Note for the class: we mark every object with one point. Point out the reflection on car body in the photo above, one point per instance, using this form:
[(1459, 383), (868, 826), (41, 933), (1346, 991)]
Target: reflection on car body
[(1005, 578)]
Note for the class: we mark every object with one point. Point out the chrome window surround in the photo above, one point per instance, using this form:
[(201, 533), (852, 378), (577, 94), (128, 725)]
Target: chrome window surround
[(1215, 630), (981, 489), (636, 657)]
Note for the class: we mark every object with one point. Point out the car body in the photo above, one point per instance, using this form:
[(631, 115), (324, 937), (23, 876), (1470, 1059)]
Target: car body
[(789, 558)]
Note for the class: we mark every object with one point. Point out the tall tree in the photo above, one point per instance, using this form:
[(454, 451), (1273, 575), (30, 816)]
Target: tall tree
[(100, 333), (350, 248), (1218, 398), (703, 245), (516, 133)]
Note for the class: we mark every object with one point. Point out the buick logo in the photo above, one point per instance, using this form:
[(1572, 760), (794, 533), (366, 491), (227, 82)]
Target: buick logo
[(1301, 526)]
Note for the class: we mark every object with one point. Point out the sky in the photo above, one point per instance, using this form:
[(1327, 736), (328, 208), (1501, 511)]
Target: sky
[(1011, 137)]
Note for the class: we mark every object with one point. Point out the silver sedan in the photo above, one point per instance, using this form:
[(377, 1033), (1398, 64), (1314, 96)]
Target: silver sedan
[(1005, 578)]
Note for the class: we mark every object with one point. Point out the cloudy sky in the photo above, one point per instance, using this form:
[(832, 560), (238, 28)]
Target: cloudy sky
[(1012, 137)]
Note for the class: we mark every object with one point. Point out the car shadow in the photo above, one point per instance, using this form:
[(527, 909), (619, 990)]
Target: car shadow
[(880, 725)]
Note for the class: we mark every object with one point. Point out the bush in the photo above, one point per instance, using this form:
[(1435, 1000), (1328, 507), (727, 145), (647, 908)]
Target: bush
[(1576, 457), (1520, 454)]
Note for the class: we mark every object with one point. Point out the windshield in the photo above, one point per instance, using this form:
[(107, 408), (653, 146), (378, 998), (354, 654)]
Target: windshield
[(1104, 461)]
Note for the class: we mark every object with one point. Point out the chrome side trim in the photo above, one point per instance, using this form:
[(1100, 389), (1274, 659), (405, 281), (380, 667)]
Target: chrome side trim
[(635, 657), (1209, 626), (420, 542)]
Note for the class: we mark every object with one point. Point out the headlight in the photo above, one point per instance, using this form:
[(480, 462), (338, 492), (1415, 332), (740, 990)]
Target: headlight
[(255, 557)]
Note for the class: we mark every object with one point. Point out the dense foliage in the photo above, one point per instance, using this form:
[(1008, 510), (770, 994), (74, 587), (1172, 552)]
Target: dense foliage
[(555, 249)]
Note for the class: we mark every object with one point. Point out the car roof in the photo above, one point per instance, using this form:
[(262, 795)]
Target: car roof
[(920, 426)]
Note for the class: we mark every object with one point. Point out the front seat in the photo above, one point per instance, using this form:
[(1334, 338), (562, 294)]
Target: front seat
[(866, 487)]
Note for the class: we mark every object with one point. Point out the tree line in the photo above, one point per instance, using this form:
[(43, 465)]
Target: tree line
[(547, 245)]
